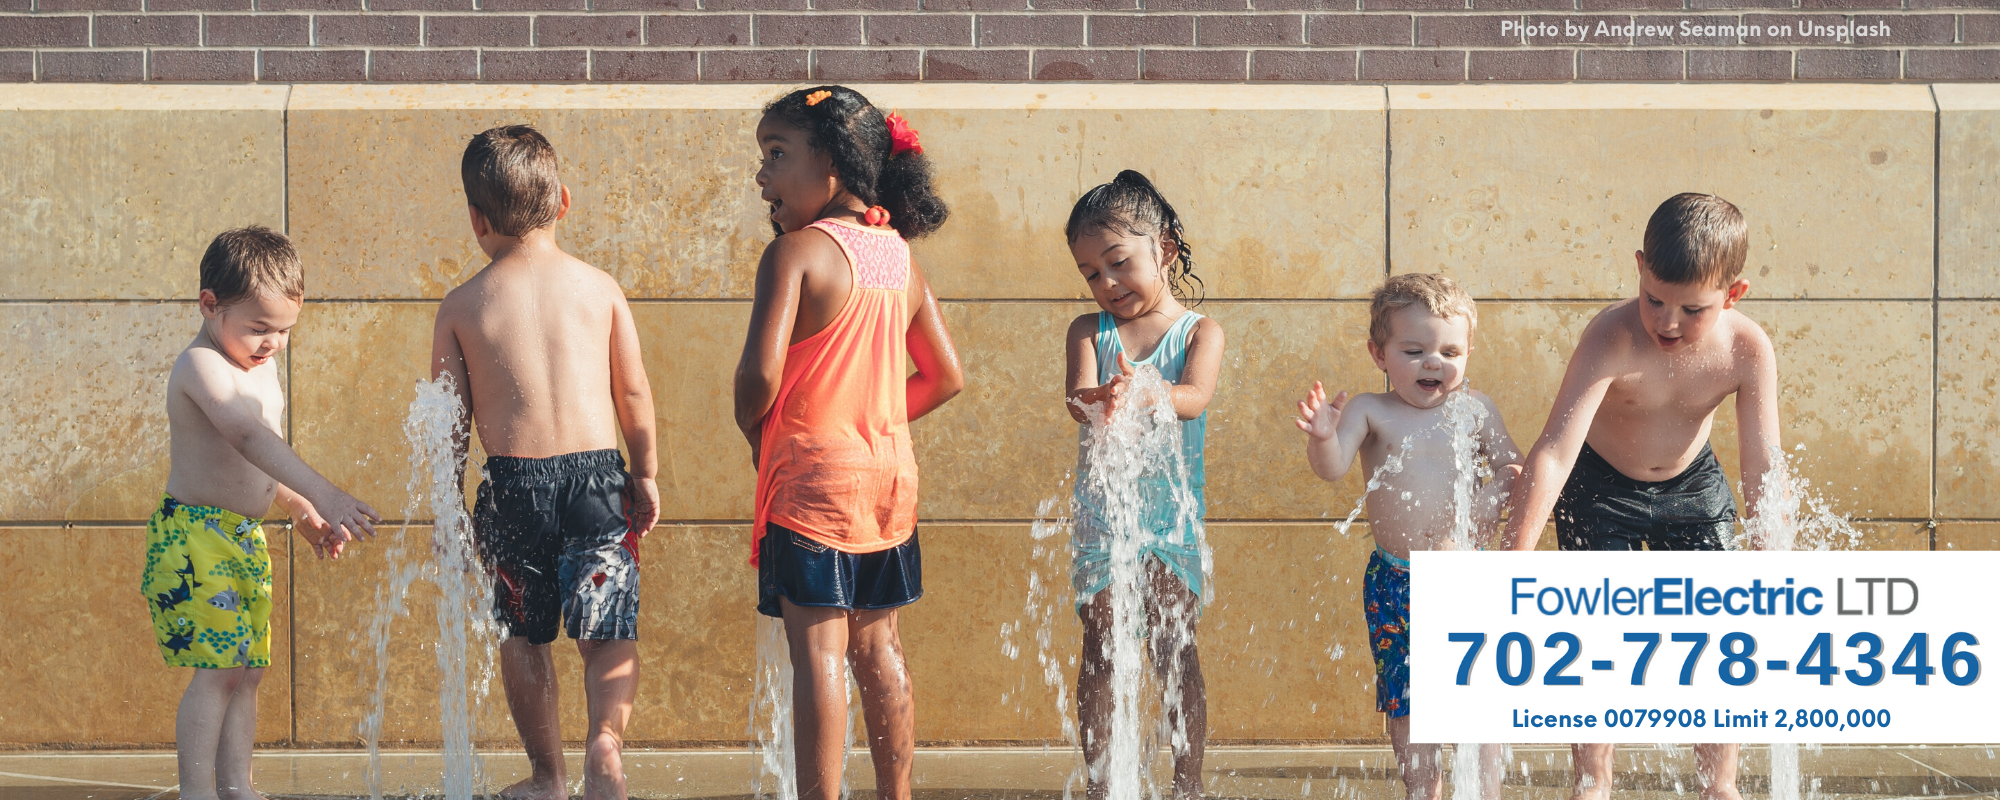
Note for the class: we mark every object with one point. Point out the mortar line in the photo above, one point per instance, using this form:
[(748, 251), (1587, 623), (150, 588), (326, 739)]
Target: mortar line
[(1937, 290), (287, 528), (310, 301), (291, 435)]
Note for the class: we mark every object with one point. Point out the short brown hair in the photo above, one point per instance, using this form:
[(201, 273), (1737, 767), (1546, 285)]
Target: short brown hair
[(1696, 239), (1441, 296), (256, 260), (510, 176)]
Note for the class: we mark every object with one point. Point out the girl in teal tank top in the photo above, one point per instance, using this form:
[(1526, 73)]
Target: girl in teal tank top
[(1130, 248)]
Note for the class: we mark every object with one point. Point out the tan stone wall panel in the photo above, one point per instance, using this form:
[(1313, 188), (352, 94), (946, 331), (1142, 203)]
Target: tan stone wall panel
[(690, 350), (1968, 190), (1968, 536), (115, 191), (1544, 192), (1968, 382), (355, 369)]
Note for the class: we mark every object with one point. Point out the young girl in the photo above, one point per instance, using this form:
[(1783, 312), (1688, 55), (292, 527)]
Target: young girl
[(825, 395), (1130, 249)]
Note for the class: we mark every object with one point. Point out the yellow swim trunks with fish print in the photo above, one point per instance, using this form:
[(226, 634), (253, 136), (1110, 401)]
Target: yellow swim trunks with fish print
[(208, 583)]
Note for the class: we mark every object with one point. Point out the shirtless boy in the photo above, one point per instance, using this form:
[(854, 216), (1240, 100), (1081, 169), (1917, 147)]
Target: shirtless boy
[(542, 349), (208, 571), (1624, 460), (1420, 334)]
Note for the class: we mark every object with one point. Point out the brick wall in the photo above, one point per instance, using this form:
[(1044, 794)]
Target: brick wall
[(998, 40)]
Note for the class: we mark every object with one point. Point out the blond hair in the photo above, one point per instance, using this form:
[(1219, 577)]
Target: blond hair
[(1441, 296), (245, 262), (1696, 239)]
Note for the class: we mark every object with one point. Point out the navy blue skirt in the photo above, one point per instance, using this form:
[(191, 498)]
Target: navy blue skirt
[(808, 573)]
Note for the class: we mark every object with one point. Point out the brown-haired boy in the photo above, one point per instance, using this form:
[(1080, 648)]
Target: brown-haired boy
[(208, 572), (1624, 461), (543, 351)]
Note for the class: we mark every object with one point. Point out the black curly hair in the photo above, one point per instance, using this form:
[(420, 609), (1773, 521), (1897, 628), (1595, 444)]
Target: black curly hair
[(855, 134), (1132, 204)]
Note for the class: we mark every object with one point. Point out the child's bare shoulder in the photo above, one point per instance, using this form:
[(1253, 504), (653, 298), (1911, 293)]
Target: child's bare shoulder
[(1749, 344), (1610, 335), (1084, 326)]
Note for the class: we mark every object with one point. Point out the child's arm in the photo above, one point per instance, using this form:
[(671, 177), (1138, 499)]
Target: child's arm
[(1334, 433), (307, 521), (1080, 387), (633, 397), (1547, 466), (448, 358), (1757, 428), (1503, 457), (1202, 371), (237, 417), (939, 377), (761, 370)]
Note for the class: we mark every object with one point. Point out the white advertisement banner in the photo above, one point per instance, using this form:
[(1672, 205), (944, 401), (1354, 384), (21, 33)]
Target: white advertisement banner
[(1750, 647)]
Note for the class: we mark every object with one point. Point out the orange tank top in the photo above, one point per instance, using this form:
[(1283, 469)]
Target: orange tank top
[(837, 464)]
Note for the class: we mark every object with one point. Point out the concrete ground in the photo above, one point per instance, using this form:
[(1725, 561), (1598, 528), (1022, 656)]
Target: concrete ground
[(1645, 772)]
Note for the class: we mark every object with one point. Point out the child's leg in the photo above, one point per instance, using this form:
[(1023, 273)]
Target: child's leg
[(198, 729), (1171, 619), (875, 648), (1593, 771), (1093, 691), (1423, 774), (528, 671), (1492, 770), (1715, 771), (818, 639), (611, 683), (239, 736)]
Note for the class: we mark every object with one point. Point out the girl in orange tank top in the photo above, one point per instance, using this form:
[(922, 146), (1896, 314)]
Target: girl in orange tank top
[(824, 395)]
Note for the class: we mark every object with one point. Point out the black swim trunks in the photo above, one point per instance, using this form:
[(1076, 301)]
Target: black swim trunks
[(792, 566), (1602, 509), (554, 531)]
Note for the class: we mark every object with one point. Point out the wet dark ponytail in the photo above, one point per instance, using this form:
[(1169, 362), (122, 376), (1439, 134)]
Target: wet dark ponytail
[(855, 134), (1131, 203)]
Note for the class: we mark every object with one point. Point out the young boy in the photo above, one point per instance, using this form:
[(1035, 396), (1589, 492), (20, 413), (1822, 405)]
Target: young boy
[(208, 572), (543, 351), (1419, 333), (1624, 460)]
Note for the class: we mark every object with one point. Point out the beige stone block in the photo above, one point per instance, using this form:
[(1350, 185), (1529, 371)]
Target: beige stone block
[(115, 191), (1968, 417), (87, 671), (691, 351), (1567, 177), (1968, 190), (1968, 536), (87, 407), (663, 179), (355, 370)]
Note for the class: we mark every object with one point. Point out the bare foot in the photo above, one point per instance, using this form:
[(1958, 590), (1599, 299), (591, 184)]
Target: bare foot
[(603, 770), (228, 793), (535, 788)]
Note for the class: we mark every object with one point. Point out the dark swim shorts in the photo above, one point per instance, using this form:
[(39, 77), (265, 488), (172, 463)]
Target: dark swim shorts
[(555, 534), (1385, 601), (1602, 509), (809, 573)]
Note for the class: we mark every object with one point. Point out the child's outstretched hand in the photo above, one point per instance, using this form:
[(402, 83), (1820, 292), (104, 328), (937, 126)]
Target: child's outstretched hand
[(346, 517), (642, 511), (1319, 417), (1109, 392)]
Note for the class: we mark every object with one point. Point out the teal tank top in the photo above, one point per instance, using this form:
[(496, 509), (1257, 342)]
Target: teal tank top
[(1170, 358)]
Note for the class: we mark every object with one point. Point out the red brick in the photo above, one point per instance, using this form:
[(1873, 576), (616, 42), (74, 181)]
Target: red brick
[(582, 30), (1534, 5), (420, 5), (1411, 5), (1767, 21), (1306, 5), (1126, 31), (1242, 30), (18, 5), (643, 5), (1194, 65), (1302, 66), (698, 31), (1850, 4), (1923, 65), (308, 66), (1521, 65), (1981, 28), (150, 29), (1628, 65), (1413, 65), (1849, 65), (1195, 5), (1465, 30), (166, 6), (976, 65), (866, 5), (44, 31), (1086, 65), (423, 65), (1717, 5), (1736, 64), (647, 66), (187, 66), (257, 30), (1632, 5), (1339, 29), (82, 5), (868, 65), (1052, 30), (17, 66), (1701, 30), (914, 30), (309, 5), (366, 29), (975, 5), (481, 30), (753, 65), (1550, 29), (1908, 28), (1086, 5), (754, 5), (98, 66), (534, 66), (816, 30), (1989, 5), (533, 5)]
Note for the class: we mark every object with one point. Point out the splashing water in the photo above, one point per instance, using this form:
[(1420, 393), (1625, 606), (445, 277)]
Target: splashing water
[(1464, 418), (774, 741), (449, 560)]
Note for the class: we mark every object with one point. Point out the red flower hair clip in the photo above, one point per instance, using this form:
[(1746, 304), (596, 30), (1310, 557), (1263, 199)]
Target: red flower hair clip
[(901, 136)]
